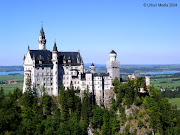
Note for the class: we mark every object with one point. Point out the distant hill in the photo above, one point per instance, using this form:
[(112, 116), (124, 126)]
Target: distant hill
[(139, 68), (11, 68)]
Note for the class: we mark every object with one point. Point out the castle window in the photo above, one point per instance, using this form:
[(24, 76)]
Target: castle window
[(78, 82), (75, 82), (44, 78), (42, 68), (44, 84), (51, 67), (37, 74), (51, 84)]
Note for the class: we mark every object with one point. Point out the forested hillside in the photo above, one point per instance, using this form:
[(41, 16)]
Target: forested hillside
[(131, 112)]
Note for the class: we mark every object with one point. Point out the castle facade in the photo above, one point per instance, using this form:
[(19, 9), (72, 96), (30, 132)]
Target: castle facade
[(51, 69)]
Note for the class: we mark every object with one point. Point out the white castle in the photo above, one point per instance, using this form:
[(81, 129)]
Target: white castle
[(52, 69)]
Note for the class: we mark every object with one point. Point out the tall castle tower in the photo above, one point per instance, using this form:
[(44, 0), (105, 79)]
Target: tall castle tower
[(113, 66), (42, 40), (55, 70)]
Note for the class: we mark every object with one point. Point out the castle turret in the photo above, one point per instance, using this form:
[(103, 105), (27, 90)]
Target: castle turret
[(92, 68), (42, 40), (55, 70), (147, 80), (113, 66), (112, 55)]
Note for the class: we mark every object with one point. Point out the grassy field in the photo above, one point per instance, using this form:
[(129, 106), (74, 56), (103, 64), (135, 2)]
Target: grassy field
[(11, 77), (165, 83), (10, 87), (175, 101)]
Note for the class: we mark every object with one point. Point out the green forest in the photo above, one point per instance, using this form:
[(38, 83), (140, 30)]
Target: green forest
[(69, 114)]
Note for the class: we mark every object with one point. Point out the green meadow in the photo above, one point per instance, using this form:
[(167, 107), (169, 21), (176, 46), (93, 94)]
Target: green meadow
[(11, 77), (165, 83), (175, 101), (10, 87)]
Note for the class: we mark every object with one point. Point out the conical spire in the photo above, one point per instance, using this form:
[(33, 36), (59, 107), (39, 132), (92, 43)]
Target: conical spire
[(28, 48), (42, 32), (55, 47)]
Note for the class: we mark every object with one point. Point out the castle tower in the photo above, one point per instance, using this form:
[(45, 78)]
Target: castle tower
[(28, 69), (147, 80), (42, 40), (113, 66), (55, 70), (92, 68)]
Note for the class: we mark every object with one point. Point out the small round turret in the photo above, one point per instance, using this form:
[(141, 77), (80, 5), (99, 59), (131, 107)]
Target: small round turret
[(92, 68), (112, 55), (148, 80)]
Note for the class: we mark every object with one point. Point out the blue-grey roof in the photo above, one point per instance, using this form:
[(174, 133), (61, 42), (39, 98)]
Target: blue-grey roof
[(92, 64), (112, 51), (46, 56), (101, 74)]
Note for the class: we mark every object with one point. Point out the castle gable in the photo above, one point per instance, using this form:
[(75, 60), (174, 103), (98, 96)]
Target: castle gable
[(28, 59)]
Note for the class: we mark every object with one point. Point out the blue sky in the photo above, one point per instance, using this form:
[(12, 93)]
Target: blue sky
[(140, 35)]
